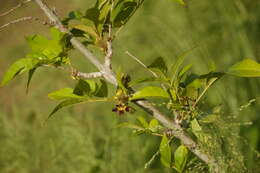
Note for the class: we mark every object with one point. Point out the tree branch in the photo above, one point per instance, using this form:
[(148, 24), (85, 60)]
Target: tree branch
[(14, 8), (148, 107), (109, 51), (22, 19), (91, 75)]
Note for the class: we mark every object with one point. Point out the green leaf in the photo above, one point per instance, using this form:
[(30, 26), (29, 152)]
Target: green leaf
[(150, 91), (71, 102), (93, 15), (143, 122), (16, 68), (180, 158), (122, 12), (154, 125), (245, 68), (102, 90), (49, 48), (165, 152), (184, 70), (30, 74), (104, 11), (82, 88), (65, 93), (65, 103), (87, 29), (159, 64)]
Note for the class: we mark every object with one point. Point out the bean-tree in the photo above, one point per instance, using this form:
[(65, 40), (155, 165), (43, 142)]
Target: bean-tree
[(192, 139)]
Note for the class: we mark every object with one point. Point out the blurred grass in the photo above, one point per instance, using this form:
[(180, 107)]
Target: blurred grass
[(82, 138)]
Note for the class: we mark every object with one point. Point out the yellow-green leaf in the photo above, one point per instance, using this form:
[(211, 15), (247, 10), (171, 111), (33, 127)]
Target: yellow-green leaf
[(180, 158), (165, 152), (64, 93), (245, 68)]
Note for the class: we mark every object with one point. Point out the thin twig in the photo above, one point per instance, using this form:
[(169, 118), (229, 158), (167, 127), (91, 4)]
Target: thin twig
[(91, 75), (14, 8), (204, 91), (22, 19), (141, 63), (147, 106)]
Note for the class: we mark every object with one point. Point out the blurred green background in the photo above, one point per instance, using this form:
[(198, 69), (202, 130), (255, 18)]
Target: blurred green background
[(83, 138)]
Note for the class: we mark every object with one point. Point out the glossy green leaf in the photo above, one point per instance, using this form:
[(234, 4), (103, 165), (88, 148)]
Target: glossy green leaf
[(180, 158), (245, 68), (150, 91), (15, 69), (159, 64), (165, 152), (65, 93)]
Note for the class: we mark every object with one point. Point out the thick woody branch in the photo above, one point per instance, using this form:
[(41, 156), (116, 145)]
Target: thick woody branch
[(148, 107), (14, 8)]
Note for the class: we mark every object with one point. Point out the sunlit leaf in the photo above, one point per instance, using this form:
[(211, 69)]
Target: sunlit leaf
[(150, 91), (245, 68), (165, 152), (65, 93), (180, 158), (15, 69)]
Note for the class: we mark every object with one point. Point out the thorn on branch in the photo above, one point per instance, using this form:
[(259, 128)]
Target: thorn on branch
[(14, 8)]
